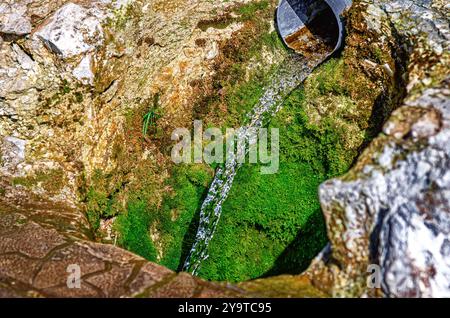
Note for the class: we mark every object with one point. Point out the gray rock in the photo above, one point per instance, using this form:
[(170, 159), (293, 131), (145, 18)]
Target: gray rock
[(73, 30), (392, 208), (83, 71), (12, 154), (13, 19)]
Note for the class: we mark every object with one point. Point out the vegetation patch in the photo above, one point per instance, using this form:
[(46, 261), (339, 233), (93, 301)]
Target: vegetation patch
[(239, 13), (133, 226), (272, 224), (101, 198), (151, 117), (172, 220), (171, 196), (234, 89), (51, 181)]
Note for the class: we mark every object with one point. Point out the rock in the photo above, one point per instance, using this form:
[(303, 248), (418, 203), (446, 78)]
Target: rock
[(83, 71), (392, 208), (12, 153), (415, 232), (73, 30), (389, 210), (13, 19)]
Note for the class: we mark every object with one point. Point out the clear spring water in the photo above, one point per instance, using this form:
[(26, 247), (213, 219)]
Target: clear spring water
[(291, 73)]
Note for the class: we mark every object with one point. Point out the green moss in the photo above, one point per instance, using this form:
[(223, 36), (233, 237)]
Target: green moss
[(151, 117), (242, 98), (65, 88), (263, 216), (173, 221), (133, 227), (21, 221), (248, 11), (60, 95), (220, 22), (50, 180), (122, 16), (272, 224), (179, 211), (97, 204), (23, 181)]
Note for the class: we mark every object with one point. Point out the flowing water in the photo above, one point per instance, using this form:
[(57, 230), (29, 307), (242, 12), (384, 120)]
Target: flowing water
[(291, 73), (316, 36)]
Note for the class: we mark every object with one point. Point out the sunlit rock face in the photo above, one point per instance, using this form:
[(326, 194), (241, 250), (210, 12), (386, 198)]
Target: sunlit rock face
[(392, 208), (69, 70), (415, 230)]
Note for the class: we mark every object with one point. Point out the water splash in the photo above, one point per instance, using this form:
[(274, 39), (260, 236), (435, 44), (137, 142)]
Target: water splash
[(291, 73)]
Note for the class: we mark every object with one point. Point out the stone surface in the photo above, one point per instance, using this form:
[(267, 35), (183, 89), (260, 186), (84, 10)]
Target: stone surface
[(35, 256), (18, 17), (63, 102), (391, 209), (13, 153), (73, 30)]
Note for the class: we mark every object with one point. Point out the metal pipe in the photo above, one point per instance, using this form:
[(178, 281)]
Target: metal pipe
[(295, 15)]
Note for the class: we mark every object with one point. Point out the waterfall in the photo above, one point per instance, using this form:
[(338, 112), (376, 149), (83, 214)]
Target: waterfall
[(291, 73)]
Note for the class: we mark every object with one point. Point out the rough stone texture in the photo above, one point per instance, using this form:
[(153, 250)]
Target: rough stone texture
[(120, 50), (85, 64), (72, 30), (35, 254), (392, 208), (13, 152), (18, 17)]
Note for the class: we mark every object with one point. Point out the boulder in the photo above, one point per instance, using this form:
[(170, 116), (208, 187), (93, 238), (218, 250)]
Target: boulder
[(391, 209)]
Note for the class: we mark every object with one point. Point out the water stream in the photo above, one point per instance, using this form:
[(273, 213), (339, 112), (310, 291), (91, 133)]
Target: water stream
[(291, 73), (311, 28)]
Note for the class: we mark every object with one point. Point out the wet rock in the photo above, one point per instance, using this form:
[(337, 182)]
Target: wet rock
[(36, 255), (19, 17)]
